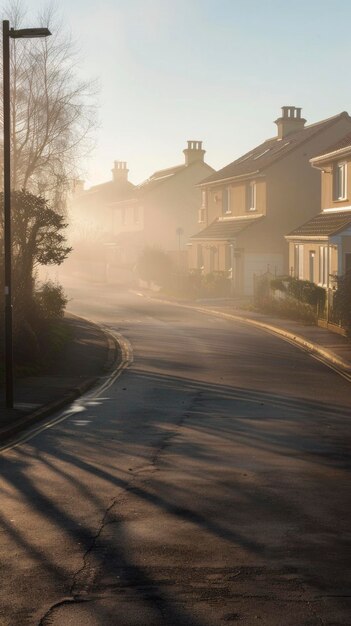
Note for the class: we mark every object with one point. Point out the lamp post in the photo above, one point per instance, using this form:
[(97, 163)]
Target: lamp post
[(7, 33)]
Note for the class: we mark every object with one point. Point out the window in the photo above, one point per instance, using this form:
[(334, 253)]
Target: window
[(226, 201), (228, 257), (123, 217), (136, 214), (298, 261), (251, 197), (203, 198), (202, 213), (311, 265), (200, 257), (339, 181), (323, 265)]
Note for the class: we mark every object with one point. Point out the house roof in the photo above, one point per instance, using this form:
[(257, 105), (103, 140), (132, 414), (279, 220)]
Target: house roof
[(106, 192), (160, 176), (344, 145), (271, 150), (226, 228), (323, 225)]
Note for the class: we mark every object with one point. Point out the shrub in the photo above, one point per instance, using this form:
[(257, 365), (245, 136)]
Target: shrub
[(154, 265), (305, 291), (51, 301), (342, 301), (277, 284), (290, 308)]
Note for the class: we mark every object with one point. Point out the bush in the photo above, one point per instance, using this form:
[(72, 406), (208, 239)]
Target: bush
[(216, 284), (51, 301), (305, 291), (277, 284), (154, 265), (290, 308), (342, 301)]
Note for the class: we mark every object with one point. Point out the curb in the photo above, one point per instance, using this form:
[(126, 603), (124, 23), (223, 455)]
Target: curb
[(30, 419)]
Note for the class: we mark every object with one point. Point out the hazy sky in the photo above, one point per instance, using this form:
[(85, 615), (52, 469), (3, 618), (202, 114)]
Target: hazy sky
[(213, 70)]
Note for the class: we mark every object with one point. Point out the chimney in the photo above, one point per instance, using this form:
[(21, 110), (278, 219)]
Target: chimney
[(194, 152), (290, 121), (120, 171)]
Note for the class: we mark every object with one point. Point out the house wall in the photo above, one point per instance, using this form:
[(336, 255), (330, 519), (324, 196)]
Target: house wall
[(314, 246), (294, 190), (238, 200), (127, 217), (174, 204)]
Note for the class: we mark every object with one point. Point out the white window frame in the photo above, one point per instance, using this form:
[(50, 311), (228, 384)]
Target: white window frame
[(227, 210), (203, 198), (311, 265), (202, 214), (323, 266), (340, 181), (252, 196), (298, 260)]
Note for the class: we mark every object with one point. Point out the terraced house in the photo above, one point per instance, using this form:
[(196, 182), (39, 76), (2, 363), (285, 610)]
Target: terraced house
[(249, 206), (321, 247)]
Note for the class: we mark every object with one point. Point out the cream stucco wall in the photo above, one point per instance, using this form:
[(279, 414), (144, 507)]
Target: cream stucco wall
[(237, 202)]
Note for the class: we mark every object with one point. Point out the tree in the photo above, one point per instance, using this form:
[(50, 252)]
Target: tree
[(52, 114), (38, 238)]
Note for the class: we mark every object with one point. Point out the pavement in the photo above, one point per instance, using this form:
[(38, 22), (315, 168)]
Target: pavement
[(92, 353)]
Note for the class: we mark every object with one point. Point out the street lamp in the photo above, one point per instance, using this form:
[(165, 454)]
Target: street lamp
[(7, 33)]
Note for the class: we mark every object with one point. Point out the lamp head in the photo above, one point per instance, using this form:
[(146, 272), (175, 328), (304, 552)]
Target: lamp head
[(29, 33)]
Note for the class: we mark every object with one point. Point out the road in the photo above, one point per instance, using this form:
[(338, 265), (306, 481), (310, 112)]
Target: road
[(209, 484)]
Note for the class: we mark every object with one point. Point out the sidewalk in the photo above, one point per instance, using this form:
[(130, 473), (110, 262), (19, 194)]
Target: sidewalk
[(89, 355)]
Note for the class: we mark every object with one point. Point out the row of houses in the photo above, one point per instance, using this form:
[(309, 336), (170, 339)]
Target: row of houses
[(282, 207)]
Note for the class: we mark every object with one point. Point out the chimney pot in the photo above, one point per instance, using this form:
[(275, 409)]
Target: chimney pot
[(290, 121), (194, 152), (120, 171)]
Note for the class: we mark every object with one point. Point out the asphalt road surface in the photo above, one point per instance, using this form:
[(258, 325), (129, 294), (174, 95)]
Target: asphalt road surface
[(209, 484)]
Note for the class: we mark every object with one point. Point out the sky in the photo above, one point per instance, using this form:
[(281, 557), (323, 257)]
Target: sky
[(212, 70)]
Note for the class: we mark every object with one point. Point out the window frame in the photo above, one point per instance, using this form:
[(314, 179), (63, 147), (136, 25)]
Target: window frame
[(299, 261), (226, 208), (311, 265), (251, 202), (201, 215), (323, 266), (340, 181)]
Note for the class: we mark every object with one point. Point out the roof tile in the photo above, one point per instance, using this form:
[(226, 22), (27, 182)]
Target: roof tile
[(323, 224), (269, 151)]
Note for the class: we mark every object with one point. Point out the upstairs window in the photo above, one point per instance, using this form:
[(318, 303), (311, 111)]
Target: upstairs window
[(202, 215), (339, 181), (226, 201), (203, 198), (251, 197), (136, 215)]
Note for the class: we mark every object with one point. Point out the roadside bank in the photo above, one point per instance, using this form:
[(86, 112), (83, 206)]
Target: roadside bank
[(89, 354)]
